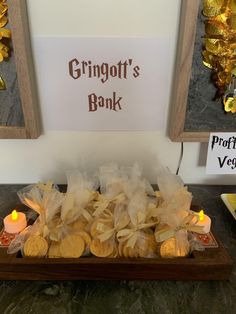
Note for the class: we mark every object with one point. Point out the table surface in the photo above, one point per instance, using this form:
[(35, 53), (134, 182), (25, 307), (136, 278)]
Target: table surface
[(103, 297)]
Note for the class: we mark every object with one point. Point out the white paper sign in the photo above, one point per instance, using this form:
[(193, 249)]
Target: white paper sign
[(103, 83), (221, 157)]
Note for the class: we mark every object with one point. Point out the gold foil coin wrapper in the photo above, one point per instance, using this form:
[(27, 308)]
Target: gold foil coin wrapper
[(35, 246)]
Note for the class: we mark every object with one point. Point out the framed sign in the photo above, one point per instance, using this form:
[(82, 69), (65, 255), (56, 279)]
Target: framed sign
[(103, 83), (194, 114), (19, 112)]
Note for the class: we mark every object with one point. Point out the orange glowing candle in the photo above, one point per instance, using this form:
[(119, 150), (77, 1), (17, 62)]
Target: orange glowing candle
[(15, 222), (201, 215), (14, 215), (204, 221)]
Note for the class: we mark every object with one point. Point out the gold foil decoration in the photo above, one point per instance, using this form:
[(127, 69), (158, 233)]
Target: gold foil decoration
[(229, 98), (213, 7), (219, 53), (4, 34), (2, 83), (230, 104)]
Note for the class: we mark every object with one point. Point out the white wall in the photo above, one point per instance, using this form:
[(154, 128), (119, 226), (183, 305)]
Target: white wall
[(25, 161)]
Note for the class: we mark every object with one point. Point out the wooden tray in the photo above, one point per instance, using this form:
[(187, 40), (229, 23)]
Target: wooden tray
[(211, 264)]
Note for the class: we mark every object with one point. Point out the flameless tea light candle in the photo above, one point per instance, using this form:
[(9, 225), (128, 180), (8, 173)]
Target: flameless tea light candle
[(15, 222), (204, 221)]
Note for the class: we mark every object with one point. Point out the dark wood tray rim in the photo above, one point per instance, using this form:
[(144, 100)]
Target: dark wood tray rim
[(211, 264)]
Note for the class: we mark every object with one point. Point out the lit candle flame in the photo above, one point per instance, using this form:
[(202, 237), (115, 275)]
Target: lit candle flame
[(14, 215), (201, 215)]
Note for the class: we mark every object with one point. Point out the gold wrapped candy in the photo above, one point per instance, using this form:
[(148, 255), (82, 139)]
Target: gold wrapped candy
[(219, 52), (4, 33)]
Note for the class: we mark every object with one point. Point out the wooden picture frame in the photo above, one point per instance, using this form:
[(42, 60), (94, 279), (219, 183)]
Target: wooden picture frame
[(193, 112), (187, 30), (18, 23)]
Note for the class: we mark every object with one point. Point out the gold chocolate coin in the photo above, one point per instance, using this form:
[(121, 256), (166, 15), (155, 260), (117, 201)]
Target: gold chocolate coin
[(120, 248), (101, 249), (54, 250), (169, 249), (87, 241), (35, 246), (147, 246), (85, 236), (130, 252), (78, 225), (99, 226), (115, 252), (72, 246)]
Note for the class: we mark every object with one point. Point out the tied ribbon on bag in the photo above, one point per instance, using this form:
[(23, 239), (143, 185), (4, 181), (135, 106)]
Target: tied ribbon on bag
[(131, 235), (81, 191), (37, 196), (152, 211), (51, 200), (52, 227), (188, 224), (46, 200), (100, 206), (55, 231), (71, 212), (106, 231), (113, 223), (103, 203)]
